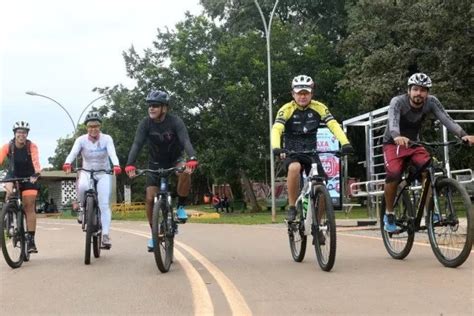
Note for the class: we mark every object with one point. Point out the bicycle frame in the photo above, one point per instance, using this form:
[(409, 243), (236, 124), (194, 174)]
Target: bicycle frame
[(92, 191), (307, 190), (433, 172), (445, 206)]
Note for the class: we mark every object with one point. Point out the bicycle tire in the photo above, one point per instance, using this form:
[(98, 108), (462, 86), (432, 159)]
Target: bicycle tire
[(400, 243), (451, 237), (23, 231), (11, 240), (324, 222), (162, 242), (89, 214), (97, 235), (296, 235)]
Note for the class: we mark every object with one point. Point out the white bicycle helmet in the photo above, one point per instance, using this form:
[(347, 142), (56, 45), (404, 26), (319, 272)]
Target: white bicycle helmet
[(21, 125), (302, 82), (420, 79)]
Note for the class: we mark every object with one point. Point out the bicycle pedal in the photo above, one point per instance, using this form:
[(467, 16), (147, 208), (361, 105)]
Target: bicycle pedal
[(105, 247)]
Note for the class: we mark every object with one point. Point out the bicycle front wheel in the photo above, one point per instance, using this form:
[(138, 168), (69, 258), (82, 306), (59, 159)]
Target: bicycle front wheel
[(97, 235), (451, 230), (11, 238), (297, 236), (324, 227), (89, 214), (23, 231), (163, 236)]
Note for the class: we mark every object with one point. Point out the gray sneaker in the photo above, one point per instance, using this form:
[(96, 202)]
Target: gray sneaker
[(80, 214), (106, 243)]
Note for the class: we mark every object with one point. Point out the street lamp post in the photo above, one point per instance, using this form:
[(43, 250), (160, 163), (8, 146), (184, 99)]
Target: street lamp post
[(60, 105), (74, 125), (267, 29)]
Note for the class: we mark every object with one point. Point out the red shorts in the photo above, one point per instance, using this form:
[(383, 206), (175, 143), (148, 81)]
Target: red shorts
[(396, 158)]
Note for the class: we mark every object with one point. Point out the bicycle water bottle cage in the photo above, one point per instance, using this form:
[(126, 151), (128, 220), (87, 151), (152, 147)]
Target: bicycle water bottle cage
[(410, 173), (437, 165)]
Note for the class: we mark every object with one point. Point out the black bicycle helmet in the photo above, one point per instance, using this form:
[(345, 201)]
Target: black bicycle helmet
[(158, 97), (93, 116)]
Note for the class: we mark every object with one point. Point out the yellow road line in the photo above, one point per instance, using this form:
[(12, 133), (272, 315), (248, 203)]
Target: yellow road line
[(232, 294), (201, 298)]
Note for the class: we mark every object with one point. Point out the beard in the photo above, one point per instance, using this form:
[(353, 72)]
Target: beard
[(418, 101)]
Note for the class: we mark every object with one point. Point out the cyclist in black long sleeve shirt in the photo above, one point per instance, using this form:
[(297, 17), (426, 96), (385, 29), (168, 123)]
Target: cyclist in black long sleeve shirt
[(167, 137)]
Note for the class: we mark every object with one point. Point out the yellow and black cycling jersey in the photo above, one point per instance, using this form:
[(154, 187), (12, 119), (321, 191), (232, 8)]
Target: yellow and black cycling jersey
[(300, 126)]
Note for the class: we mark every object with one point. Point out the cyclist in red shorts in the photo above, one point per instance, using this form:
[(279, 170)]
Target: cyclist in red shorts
[(406, 114), (23, 162)]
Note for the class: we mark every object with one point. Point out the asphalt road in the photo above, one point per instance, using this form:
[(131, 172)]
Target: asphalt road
[(229, 269)]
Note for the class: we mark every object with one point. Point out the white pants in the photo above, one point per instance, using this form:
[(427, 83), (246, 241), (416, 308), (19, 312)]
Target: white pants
[(104, 189)]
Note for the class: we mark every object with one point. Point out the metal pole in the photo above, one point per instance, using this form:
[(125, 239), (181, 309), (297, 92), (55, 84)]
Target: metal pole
[(270, 112), (60, 105)]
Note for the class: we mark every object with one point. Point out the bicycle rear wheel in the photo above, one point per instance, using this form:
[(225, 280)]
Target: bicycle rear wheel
[(89, 218), (324, 227), (451, 237), (11, 238), (163, 235), (297, 236), (399, 243)]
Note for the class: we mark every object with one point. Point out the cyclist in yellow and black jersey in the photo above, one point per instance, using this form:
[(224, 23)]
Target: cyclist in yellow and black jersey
[(298, 121)]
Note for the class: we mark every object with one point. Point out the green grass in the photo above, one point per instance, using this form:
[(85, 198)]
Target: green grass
[(238, 217)]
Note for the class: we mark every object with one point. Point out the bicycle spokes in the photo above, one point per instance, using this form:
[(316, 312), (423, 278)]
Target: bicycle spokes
[(451, 226)]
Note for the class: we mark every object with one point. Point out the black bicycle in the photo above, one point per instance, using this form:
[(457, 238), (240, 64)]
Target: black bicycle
[(164, 222), (449, 217), (13, 237), (314, 199), (91, 221)]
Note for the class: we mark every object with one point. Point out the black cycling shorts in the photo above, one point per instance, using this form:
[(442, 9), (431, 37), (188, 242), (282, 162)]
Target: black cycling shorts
[(306, 162)]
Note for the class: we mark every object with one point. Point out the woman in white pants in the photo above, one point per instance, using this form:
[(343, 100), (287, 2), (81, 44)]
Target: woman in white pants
[(96, 148)]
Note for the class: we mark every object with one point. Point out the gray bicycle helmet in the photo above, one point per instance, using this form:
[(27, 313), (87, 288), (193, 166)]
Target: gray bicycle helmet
[(93, 116), (158, 97), (21, 125), (420, 79)]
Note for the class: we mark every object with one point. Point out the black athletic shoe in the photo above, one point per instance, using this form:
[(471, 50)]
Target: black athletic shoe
[(30, 244), (291, 214)]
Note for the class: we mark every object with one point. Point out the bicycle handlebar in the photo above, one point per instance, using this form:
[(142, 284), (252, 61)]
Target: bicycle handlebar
[(15, 180), (437, 144), (91, 171), (337, 153), (161, 171)]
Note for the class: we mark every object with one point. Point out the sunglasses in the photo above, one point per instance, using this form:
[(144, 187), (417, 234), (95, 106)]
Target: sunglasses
[(156, 105)]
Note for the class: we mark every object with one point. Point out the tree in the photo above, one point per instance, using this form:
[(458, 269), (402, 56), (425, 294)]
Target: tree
[(390, 40)]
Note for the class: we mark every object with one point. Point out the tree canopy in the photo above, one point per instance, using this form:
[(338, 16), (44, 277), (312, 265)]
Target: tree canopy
[(360, 54)]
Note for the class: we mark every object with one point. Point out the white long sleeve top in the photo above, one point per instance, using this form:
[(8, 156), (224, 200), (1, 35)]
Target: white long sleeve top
[(95, 153)]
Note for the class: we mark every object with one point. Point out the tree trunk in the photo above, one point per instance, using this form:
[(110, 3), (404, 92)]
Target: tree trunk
[(250, 195)]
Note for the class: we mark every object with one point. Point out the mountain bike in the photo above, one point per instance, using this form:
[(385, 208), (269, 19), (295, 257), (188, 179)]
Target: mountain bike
[(91, 221), (13, 227), (314, 200), (164, 222), (449, 217)]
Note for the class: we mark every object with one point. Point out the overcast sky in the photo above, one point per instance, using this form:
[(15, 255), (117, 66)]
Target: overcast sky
[(63, 49)]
